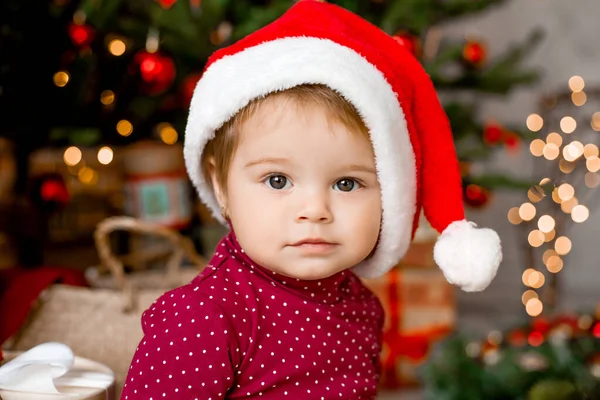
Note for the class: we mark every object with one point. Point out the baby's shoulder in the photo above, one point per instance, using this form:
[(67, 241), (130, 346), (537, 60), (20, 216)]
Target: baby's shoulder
[(220, 289)]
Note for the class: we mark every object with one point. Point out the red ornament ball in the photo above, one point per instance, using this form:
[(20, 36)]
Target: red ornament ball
[(157, 71), (493, 133), (410, 42), (474, 53), (81, 35), (188, 85), (166, 4), (476, 196), (512, 141)]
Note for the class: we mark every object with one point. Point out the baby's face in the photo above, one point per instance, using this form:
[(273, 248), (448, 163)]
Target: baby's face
[(302, 192)]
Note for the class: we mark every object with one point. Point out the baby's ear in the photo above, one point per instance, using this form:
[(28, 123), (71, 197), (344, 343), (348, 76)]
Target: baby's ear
[(211, 172)]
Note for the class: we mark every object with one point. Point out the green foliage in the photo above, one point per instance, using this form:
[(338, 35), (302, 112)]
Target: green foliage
[(564, 366)]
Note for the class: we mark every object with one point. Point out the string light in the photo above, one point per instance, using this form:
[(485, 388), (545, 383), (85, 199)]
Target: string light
[(535, 194), (576, 83), (578, 98), (551, 151), (553, 147), (593, 164), (566, 191), (105, 155), (568, 125), (562, 245), (124, 127), (580, 213), (549, 236), (592, 180), (554, 138), (107, 97), (61, 78), (528, 295), (72, 156), (534, 122), (534, 307), (526, 275), (546, 223), (167, 133), (554, 264), (568, 205), (88, 176), (527, 211), (513, 216), (566, 166), (117, 47), (537, 147), (536, 238), (595, 123)]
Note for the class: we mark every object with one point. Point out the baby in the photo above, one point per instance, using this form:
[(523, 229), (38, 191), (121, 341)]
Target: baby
[(317, 140)]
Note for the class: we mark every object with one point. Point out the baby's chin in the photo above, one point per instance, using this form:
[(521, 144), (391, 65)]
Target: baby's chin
[(309, 273)]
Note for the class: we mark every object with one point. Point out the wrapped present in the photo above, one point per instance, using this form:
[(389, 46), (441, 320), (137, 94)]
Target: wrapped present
[(420, 310), (52, 371)]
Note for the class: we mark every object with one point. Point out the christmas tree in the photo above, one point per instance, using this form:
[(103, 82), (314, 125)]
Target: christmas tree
[(111, 72)]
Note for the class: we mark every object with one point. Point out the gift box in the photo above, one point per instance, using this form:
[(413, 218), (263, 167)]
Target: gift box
[(52, 371), (420, 310)]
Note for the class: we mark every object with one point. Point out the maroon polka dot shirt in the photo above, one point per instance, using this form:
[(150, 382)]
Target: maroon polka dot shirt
[(239, 331)]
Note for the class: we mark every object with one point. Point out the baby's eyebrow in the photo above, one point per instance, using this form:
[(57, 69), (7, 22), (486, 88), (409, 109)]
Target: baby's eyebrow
[(267, 160), (358, 167)]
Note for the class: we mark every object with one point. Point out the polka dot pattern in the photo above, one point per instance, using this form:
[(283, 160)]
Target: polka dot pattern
[(242, 331)]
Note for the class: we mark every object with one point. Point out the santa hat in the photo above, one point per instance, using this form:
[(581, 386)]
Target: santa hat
[(319, 43)]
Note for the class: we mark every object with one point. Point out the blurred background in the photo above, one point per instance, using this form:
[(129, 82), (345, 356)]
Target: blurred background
[(93, 105)]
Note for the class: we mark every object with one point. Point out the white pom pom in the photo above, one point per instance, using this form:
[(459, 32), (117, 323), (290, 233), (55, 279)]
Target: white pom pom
[(468, 256)]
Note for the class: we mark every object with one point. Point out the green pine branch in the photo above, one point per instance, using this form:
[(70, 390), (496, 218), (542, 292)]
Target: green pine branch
[(499, 76)]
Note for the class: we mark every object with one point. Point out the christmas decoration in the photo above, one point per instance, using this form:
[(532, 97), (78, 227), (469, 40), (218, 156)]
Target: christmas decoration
[(476, 196), (188, 85), (157, 71), (411, 42), (545, 359), (493, 133), (157, 188), (81, 35), (474, 53), (166, 4), (566, 150), (49, 192)]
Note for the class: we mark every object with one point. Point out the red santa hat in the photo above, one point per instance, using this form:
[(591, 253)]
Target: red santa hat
[(319, 43)]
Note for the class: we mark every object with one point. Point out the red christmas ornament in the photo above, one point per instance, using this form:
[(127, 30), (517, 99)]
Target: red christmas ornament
[(187, 87), (81, 35), (476, 196), (517, 338), (596, 330), (512, 141), (410, 42), (541, 325), (492, 133), (474, 53), (166, 4), (535, 339), (157, 71)]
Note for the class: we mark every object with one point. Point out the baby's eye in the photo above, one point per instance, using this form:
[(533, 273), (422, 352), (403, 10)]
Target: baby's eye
[(278, 182), (346, 185)]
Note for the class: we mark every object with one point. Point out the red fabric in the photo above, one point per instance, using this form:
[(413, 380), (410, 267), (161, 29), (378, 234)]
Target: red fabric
[(240, 331), (19, 288), (437, 169)]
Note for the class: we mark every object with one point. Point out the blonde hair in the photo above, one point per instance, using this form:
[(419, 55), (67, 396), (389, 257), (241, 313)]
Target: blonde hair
[(222, 148)]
